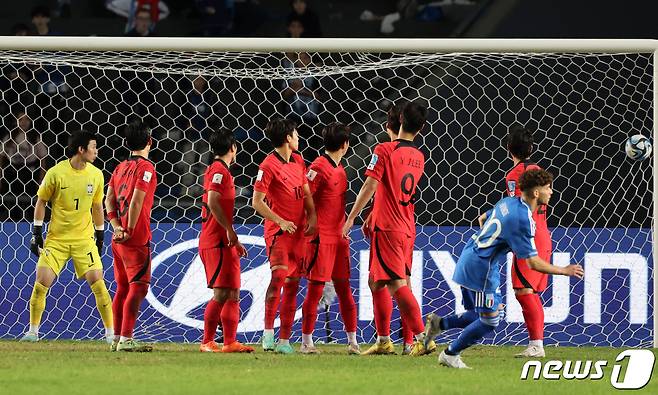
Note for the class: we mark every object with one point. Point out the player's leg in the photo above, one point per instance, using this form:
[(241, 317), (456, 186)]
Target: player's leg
[(527, 283), (137, 261), (296, 249), (229, 297), (486, 305), (87, 263), (212, 259), (341, 279), (278, 265), (317, 269), (120, 295), (395, 250), (407, 336), (51, 261)]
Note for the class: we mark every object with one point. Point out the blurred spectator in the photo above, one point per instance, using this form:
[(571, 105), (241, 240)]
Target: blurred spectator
[(20, 29), (157, 11), (300, 93), (41, 21), (295, 27), (197, 109), (22, 160), (216, 17), (63, 8), (308, 18), (144, 26)]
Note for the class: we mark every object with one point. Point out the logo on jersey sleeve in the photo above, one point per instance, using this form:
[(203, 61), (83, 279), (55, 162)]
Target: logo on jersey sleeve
[(147, 176), (217, 178), (311, 174), (511, 187), (373, 162), (90, 189), (259, 176)]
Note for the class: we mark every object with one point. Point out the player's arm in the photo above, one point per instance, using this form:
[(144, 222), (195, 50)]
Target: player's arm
[(220, 216), (36, 242), (540, 265), (113, 215), (134, 209), (258, 203), (98, 217), (365, 194), (483, 218), (311, 215)]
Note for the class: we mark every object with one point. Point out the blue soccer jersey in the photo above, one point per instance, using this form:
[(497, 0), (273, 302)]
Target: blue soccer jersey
[(509, 227)]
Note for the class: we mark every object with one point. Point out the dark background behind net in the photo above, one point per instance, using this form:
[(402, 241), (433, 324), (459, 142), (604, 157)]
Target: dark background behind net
[(583, 108)]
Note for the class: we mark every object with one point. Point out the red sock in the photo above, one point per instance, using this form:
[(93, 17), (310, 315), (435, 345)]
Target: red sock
[(533, 314), (383, 307), (310, 306), (230, 318), (409, 310), (407, 336), (346, 304), (272, 303), (288, 307), (136, 293), (210, 320), (117, 306)]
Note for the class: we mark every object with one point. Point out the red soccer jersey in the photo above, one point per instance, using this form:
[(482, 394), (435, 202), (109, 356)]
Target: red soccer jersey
[(328, 183), (135, 173), (217, 178), (282, 183), (512, 184), (398, 166)]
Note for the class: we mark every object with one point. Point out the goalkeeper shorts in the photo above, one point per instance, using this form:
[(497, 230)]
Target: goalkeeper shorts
[(56, 254)]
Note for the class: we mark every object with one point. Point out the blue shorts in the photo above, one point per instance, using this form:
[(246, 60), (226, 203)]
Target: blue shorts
[(481, 302)]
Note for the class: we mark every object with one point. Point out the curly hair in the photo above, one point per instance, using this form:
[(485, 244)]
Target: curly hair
[(534, 178)]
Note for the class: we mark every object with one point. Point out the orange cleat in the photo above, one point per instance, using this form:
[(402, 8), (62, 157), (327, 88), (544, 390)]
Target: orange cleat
[(211, 346), (237, 347)]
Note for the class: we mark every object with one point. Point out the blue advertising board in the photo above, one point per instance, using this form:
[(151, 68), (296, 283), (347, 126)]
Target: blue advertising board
[(611, 306)]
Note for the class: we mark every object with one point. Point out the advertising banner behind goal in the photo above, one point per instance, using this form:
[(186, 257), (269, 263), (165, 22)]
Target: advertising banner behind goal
[(609, 307)]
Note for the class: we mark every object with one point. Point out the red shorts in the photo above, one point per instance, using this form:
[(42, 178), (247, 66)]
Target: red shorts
[(286, 250), (390, 255), (132, 263), (222, 266), (523, 276), (327, 261)]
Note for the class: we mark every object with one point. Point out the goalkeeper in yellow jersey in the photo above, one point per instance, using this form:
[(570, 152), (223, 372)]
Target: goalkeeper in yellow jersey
[(74, 188)]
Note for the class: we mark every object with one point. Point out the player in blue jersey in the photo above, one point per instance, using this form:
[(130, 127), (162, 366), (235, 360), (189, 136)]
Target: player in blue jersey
[(508, 227)]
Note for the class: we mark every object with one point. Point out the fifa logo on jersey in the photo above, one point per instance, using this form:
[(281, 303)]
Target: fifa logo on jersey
[(635, 375), (511, 187), (90, 189)]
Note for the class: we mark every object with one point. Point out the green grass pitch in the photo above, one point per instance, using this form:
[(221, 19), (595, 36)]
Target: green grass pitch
[(84, 367)]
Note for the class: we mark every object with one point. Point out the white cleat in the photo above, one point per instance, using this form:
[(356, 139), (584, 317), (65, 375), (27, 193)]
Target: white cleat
[(452, 361), (532, 352), (306, 349)]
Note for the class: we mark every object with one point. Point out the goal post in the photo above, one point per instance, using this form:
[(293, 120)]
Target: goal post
[(584, 97)]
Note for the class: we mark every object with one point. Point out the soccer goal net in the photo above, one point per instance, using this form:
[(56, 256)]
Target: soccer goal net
[(584, 100)]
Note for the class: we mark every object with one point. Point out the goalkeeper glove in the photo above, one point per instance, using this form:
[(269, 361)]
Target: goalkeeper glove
[(99, 241), (36, 242)]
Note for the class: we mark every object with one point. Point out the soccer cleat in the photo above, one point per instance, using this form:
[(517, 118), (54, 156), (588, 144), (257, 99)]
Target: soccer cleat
[(532, 352), (237, 347), (406, 348), (211, 346), (268, 342), (383, 348), (452, 361), (432, 329), (30, 337), (131, 345), (113, 346), (420, 349), (353, 349), (306, 349), (109, 339), (284, 349)]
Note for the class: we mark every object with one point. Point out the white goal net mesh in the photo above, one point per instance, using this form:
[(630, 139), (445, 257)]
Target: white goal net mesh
[(582, 106)]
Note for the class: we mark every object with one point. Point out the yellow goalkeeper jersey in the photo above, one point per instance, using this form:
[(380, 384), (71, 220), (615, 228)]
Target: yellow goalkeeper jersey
[(71, 193)]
